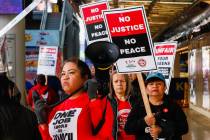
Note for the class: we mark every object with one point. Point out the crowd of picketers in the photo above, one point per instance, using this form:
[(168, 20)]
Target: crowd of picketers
[(80, 112)]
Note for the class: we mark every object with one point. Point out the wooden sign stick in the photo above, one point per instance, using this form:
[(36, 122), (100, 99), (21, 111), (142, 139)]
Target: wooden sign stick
[(144, 94)]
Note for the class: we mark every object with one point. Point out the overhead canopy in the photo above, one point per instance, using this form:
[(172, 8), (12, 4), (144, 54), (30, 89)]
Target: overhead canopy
[(161, 14)]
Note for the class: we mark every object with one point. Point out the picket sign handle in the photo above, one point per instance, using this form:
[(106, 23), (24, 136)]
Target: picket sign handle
[(46, 78), (19, 17), (144, 94)]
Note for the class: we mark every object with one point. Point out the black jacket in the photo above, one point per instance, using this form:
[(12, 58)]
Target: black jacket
[(133, 99), (17, 122), (169, 116), (113, 103)]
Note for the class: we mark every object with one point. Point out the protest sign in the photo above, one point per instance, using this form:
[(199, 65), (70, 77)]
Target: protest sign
[(47, 60), (94, 22), (164, 55), (129, 30)]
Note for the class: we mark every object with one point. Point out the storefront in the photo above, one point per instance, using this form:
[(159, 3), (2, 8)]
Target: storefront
[(198, 50)]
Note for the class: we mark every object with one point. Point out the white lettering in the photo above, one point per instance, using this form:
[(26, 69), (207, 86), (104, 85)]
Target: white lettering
[(94, 10), (97, 34), (132, 50), (130, 41), (124, 19), (92, 18), (165, 50), (127, 28), (98, 26)]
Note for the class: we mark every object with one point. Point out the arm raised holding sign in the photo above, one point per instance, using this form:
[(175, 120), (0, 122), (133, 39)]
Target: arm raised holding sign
[(76, 116), (166, 121)]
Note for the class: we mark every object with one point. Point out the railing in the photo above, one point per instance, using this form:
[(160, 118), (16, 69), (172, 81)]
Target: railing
[(66, 19), (44, 17), (62, 28), (63, 15)]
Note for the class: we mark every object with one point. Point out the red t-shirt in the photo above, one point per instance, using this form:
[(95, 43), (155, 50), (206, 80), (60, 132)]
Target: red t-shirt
[(73, 119), (44, 92), (105, 132), (124, 109)]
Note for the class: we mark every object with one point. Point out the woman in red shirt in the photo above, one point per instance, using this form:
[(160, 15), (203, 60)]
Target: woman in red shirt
[(119, 94), (43, 90), (76, 117)]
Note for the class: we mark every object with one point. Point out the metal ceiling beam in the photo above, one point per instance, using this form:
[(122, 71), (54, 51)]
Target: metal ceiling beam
[(172, 23), (173, 2), (207, 1)]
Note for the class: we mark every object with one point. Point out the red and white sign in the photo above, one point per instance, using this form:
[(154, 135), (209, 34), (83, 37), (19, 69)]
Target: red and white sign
[(47, 60), (129, 30), (94, 21), (164, 55)]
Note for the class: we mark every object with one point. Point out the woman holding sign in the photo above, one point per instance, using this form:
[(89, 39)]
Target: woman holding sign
[(76, 117), (168, 122)]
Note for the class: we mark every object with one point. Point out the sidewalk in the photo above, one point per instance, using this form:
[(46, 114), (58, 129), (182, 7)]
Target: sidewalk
[(199, 126)]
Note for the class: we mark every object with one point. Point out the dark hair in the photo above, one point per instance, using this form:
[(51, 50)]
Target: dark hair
[(8, 89), (41, 79), (4, 87), (127, 80), (9, 105), (82, 66)]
